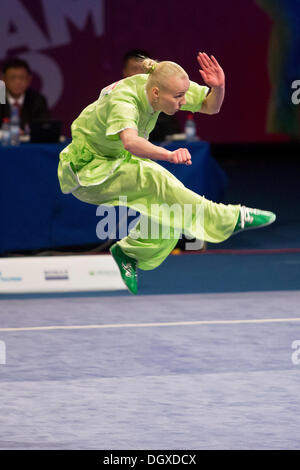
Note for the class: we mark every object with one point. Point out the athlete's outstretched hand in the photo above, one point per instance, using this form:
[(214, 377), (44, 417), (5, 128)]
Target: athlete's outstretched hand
[(211, 71), (180, 156)]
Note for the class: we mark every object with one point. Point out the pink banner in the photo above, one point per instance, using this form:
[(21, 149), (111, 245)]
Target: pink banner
[(75, 48)]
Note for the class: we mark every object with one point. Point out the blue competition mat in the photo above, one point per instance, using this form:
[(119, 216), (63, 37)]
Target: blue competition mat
[(205, 357)]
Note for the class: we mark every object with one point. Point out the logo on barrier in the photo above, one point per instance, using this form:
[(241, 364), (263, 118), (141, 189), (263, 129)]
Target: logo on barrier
[(56, 275), (2, 93), (10, 278), (102, 272)]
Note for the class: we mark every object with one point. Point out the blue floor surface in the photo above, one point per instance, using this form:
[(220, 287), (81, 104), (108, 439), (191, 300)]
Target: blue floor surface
[(202, 358)]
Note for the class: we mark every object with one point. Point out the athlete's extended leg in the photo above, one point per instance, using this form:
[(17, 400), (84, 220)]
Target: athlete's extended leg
[(160, 196)]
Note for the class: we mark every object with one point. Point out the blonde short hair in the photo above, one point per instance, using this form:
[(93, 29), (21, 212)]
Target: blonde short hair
[(159, 72)]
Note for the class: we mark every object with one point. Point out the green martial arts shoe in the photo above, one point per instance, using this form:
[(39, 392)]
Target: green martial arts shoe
[(127, 267), (253, 218)]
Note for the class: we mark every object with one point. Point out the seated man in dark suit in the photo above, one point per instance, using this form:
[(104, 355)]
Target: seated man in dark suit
[(166, 125), (31, 104)]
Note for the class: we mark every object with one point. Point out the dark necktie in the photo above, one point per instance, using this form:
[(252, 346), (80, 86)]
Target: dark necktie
[(18, 106)]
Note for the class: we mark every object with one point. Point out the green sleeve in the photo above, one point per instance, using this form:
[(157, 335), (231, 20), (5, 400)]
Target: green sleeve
[(121, 114), (195, 97)]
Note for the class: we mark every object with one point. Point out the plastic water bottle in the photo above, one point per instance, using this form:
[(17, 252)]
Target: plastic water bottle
[(190, 128), (5, 128), (14, 126)]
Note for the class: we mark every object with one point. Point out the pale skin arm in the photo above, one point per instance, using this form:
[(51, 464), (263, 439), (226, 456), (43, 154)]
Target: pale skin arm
[(214, 77), (143, 148)]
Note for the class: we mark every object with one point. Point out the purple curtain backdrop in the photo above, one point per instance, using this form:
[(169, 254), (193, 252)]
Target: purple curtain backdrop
[(76, 48)]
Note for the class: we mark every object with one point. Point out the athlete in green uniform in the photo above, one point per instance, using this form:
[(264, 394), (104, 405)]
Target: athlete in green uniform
[(110, 158)]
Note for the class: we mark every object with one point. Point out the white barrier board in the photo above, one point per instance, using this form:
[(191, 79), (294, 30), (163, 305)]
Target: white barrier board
[(59, 274)]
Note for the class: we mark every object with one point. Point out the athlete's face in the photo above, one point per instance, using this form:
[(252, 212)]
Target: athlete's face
[(171, 97)]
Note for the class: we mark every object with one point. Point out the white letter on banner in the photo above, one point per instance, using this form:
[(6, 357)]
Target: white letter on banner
[(58, 13), (26, 32), (50, 74)]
